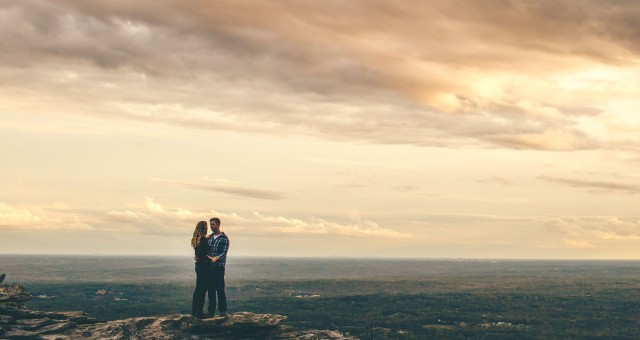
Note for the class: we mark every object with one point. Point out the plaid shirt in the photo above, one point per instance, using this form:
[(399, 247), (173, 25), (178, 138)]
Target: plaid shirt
[(219, 247)]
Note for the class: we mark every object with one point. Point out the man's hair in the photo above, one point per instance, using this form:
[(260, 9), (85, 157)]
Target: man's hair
[(215, 219)]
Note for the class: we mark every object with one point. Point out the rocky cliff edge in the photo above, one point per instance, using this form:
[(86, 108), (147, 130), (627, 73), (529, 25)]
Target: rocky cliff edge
[(19, 322)]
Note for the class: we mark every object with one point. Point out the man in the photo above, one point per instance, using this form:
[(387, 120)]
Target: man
[(218, 248)]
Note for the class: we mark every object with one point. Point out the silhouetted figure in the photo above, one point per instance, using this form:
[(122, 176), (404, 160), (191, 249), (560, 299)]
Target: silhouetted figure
[(2, 276), (203, 268), (218, 247)]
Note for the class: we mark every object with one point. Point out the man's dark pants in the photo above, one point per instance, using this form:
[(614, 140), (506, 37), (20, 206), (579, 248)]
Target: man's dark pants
[(216, 287)]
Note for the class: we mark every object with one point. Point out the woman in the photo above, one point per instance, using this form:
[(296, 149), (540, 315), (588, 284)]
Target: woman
[(200, 246)]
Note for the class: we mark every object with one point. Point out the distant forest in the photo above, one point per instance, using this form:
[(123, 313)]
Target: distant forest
[(423, 299)]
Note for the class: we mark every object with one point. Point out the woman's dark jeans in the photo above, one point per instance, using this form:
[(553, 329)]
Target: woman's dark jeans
[(203, 282)]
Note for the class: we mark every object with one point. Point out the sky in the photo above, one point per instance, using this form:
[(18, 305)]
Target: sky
[(386, 129)]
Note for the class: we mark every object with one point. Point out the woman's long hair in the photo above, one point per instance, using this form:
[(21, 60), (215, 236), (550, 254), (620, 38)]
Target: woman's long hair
[(201, 230)]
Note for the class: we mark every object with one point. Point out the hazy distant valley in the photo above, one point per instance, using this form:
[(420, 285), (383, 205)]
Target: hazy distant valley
[(365, 298)]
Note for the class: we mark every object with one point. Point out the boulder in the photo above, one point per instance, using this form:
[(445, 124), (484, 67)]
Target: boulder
[(13, 293)]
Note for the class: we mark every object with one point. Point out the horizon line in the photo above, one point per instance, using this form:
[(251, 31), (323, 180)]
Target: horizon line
[(332, 257)]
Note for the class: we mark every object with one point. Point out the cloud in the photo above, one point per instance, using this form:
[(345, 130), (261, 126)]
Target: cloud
[(496, 179), (314, 225), (593, 229), (126, 216), (454, 74), (546, 140), (573, 232), (596, 228), (404, 188), (152, 205), (12, 217), (595, 186), (230, 189), (155, 217), (174, 221), (17, 217), (578, 244)]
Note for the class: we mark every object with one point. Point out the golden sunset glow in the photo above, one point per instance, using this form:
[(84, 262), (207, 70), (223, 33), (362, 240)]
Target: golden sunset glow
[(501, 129)]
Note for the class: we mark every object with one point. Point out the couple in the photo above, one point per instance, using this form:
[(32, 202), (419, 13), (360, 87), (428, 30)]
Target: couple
[(210, 256)]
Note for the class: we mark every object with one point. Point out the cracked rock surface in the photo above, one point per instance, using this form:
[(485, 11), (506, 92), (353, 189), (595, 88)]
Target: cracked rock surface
[(19, 322)]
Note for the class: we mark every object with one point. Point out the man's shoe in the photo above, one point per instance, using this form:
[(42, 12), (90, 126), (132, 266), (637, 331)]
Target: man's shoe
[(223, 314)]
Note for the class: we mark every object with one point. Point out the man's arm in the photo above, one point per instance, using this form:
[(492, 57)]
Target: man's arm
[(224, 247), (220, 251)]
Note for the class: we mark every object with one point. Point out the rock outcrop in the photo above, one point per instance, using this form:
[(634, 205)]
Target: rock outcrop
[(19, 322), (13, 293)]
